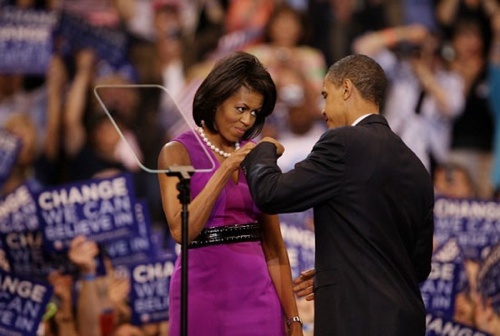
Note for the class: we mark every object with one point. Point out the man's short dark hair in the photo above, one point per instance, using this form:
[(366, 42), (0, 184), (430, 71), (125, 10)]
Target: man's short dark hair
[(367, 76)]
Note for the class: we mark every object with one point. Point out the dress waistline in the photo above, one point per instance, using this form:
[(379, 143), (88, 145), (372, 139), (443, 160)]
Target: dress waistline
[(227, 234)]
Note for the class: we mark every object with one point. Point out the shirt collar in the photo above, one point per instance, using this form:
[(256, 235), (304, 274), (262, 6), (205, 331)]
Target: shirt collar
[(357, 121)]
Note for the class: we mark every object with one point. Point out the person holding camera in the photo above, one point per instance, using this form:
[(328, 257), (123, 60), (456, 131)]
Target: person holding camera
[(424, 97)]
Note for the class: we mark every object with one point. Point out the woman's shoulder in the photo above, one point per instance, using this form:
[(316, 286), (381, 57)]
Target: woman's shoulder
[(175, 152), (184, 137)]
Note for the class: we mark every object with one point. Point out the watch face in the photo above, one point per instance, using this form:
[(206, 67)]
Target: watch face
[(293, 319)]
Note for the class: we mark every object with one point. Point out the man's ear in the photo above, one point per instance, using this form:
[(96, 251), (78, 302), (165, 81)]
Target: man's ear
[(348, 87)]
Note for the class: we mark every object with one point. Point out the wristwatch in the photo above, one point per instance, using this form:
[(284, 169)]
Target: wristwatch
[(293, 319)]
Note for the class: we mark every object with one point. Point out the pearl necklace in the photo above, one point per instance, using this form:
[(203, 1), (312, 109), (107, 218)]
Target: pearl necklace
[(212, 147)]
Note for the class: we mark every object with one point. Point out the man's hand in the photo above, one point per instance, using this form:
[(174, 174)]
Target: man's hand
[(279, 147), (304, 284)]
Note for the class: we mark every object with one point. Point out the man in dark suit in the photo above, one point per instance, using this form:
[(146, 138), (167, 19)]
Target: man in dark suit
[(373, 210)]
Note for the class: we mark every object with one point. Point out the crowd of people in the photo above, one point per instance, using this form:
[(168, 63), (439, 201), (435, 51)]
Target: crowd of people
[(86, 116)]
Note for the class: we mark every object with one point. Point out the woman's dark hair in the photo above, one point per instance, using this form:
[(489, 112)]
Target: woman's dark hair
[(229, 74)]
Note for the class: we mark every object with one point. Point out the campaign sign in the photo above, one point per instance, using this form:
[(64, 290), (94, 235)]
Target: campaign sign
[(474, 223), (439, 326), (100, 209), (440, 288), (488, 277), (4, 262), (299, 240), (449, 251), (21, 235), (109, 44), (163, 243), (26, 40), (9, 150), (149, 285), (22, 304), (135, 248)]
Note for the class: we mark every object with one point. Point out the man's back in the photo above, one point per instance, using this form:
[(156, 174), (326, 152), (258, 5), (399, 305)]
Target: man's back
[(373, 209), (372, 201), (374, 236)]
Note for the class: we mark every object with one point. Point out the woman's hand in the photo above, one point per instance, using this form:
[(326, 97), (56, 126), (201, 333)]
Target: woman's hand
[(233, 162), (279, 147)]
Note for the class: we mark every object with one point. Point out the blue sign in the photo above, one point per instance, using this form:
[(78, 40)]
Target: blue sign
[(439, 290), (21, 235), (149, 290), (137, 247), (103, 210), (109, 44), (26, 40), (296, 229), (449, 251), (474, 223), (22, 304), (439, 326), (10, 146), (488, 278)]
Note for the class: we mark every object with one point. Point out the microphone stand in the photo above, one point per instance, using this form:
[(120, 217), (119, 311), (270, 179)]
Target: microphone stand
[(184, 174)]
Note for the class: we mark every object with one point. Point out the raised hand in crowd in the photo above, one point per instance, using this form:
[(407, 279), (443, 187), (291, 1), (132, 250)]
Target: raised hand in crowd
[(422, 101), (57, 78), (64, 317), (92, 143), (373, 42), (76, 102), (118, 292), (82, 253)]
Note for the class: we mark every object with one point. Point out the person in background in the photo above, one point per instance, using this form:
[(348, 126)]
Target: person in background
[(239, 273), (424, 97), (448, 12), (83, 253), (335, 24), (92, 144), (373, 208), (494, 99), (64, 321), (283, 50), (300, 113), (36, 163), (453, 180), (487, 311), (284, 46), (473, 130)]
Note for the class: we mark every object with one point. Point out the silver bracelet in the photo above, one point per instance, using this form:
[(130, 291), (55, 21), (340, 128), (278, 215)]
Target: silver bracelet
[(294, 319)]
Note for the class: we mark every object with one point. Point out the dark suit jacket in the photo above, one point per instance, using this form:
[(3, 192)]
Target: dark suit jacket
[(373, 209)]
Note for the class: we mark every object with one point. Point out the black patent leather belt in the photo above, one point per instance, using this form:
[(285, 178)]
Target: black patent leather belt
[(227, 234)]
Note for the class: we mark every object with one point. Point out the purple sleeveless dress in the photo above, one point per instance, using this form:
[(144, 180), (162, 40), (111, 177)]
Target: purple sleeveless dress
[(230, 292)]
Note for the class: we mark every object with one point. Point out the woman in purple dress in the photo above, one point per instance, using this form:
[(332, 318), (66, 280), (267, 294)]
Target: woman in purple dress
[(239, 273)]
